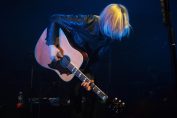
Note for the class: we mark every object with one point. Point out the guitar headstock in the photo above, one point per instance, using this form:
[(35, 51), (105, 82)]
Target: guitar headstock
[(116, 105)]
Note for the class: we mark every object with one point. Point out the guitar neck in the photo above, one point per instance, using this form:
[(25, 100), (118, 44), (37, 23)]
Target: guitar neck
[(83, 78)]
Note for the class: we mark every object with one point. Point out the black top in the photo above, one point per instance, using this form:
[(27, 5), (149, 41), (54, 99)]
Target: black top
[(83, 32)]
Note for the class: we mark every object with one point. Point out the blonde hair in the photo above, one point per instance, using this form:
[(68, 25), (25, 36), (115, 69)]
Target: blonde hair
[(114, 21)]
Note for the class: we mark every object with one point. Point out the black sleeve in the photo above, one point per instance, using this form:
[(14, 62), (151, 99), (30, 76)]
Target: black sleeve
[(67, 23), (52, 33)]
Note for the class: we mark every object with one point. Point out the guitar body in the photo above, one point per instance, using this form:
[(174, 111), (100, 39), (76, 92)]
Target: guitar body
[(42, 54)]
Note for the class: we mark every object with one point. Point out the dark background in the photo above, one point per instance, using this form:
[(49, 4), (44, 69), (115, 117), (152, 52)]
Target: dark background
[(140, 70)]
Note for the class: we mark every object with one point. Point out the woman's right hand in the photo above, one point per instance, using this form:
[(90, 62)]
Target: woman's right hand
[(55, 53)]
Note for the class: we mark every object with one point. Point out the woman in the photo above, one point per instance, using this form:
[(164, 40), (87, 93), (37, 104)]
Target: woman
[(91, 34)]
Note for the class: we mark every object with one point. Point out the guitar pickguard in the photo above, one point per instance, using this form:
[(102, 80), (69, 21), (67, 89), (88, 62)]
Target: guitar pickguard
[(57, 66)]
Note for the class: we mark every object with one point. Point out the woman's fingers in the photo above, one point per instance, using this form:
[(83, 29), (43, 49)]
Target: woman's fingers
[(91, 80), (88, 88), (87, 85), (55, 53)]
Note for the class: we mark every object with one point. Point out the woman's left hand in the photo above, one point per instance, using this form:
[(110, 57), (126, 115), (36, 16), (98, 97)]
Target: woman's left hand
[(87, 85)]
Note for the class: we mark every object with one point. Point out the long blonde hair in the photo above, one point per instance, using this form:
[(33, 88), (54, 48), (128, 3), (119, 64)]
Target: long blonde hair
[(114, 21)]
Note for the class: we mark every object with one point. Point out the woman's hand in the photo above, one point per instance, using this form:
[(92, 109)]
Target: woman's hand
[(87, 85), (55, 53)]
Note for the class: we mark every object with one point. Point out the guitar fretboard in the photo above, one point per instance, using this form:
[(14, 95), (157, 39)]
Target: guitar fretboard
[(65, 62)]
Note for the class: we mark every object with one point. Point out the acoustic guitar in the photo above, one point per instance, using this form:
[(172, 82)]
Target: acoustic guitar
[(68, 66)]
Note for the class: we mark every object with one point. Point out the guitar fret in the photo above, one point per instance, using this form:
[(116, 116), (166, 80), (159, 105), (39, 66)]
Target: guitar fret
[(74, 70), (100, 93), (84, 79), (79, 75), (70, 67)]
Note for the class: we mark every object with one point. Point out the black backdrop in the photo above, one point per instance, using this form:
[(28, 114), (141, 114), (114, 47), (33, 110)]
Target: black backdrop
[(140, 70)]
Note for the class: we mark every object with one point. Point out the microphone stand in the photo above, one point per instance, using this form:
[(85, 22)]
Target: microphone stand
[(31, 56), (165, 5)]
